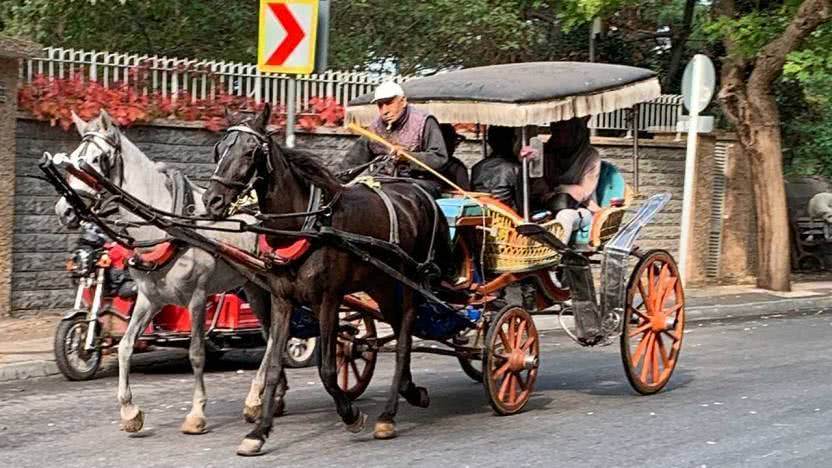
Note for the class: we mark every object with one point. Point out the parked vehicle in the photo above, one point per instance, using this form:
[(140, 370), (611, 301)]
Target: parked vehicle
[(104, 302)]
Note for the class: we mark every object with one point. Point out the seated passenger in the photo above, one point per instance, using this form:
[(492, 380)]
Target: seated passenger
[(572, 168), (455, 170), (499, 173)]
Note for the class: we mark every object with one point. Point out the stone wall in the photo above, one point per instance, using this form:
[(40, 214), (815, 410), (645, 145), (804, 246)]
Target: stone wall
[(41, 245), (8, 111)]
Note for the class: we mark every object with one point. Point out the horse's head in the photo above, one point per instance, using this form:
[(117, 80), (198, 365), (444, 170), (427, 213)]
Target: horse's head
[(241, 154), (100, 148)]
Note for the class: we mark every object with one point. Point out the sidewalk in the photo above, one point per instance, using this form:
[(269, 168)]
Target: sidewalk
[(26, 344)]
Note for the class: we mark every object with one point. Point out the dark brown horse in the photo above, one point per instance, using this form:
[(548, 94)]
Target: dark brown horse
[(248, 156)]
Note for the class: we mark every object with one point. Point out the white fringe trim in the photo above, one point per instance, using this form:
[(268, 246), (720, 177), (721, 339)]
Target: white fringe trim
[(518, 115)]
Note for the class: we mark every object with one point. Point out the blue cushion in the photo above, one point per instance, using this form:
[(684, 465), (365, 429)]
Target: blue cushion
[(611, 184), (455, 208)]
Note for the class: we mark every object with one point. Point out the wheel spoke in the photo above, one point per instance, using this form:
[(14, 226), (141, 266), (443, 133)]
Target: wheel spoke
[(355, 369), (501, 395), (528, 344), (640, 314), (521, 331), (654, 351), (640, 349), (648, 358), (512, 389), (504, 339), (639, 330), (672, 335), (524, 386), (345, 376), (502, 370), (673, 309), (641, 290), (511, 333), (663, 353)]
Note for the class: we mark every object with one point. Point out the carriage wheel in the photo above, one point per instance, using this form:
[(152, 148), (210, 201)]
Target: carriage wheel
[(355, 367), (511, 359), (654, 322)]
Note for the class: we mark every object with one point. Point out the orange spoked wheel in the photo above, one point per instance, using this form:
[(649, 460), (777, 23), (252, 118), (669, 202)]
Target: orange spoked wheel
[(355, 356), (511, 359), (654, 322)]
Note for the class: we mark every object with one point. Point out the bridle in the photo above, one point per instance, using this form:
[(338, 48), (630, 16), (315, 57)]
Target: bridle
[(263, 147), (110, 160)]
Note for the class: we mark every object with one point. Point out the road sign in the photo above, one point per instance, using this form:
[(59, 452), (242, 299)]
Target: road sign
[(703, 68), (287, 34)]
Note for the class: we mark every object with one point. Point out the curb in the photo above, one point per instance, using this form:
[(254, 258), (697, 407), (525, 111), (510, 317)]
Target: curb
[(45, 368), (27, 370)]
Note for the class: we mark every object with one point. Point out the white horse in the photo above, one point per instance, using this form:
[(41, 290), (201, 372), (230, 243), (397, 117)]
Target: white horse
[(187, 280)]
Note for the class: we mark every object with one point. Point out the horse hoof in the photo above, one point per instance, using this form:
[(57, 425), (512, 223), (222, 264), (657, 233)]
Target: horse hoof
[(424, 398), (250, 448), (194, 425), (358, 425), (133, 424), (279, 408), (385, 430), (252, 413)]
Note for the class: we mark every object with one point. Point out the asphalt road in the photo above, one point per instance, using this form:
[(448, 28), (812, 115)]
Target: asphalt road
[(746, 393)]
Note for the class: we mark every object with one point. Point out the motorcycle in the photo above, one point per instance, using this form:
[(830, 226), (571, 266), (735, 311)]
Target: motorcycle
[(104, 302)]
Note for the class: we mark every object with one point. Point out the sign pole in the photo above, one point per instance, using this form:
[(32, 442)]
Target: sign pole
[(291, 93), (690, 167)]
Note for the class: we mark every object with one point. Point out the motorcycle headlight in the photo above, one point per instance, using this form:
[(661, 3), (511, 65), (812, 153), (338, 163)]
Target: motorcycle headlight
[(80, 264)]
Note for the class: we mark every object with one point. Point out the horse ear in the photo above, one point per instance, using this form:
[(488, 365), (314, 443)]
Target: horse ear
[(80, 125), (263, 118), (106, 121)]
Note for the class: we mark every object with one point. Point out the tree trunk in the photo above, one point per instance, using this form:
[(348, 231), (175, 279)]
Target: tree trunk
[(679, 43), (765, 155), (747, 100)]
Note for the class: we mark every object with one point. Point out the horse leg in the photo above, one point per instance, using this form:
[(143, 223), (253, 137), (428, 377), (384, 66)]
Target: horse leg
[(352, 417), (259, 300), (195, 420), (132, 418), (279, 334), (402, 383)]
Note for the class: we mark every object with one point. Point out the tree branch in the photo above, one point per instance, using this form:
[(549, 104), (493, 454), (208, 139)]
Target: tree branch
[(768, 65)]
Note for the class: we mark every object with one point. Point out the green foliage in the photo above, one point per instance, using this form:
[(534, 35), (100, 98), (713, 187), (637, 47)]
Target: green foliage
[(185, 28)]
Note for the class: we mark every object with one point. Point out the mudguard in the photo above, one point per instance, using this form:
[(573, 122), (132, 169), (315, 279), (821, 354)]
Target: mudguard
[(614, 268), (72, 314)]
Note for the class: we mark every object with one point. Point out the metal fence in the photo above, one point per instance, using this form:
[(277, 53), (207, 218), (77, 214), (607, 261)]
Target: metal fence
[(196, 79), (200, 79), (659, 115)]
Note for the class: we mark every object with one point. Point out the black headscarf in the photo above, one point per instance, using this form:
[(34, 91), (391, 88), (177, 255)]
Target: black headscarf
[(502, 140), (568, 152)]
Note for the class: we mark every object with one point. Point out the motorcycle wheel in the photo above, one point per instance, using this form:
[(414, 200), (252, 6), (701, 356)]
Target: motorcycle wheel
[(301, 353), (73, 361)]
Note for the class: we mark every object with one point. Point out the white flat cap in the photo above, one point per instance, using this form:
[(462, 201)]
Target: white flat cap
[(387, 90)]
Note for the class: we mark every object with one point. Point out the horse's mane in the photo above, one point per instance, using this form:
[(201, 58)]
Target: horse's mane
[(308, 169)]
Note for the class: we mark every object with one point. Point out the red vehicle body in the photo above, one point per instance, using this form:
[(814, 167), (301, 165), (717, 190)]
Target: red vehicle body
[(104, 303)]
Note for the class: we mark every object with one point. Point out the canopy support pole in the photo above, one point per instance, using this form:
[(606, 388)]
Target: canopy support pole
[(525, 180), (634, 113)]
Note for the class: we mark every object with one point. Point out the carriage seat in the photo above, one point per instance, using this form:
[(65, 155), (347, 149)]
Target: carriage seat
[(605, 224)]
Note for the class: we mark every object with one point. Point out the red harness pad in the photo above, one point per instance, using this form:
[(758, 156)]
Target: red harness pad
[(284, 254), (158, 255)]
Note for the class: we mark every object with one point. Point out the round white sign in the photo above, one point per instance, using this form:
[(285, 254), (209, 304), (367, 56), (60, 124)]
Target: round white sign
[(702, 69)]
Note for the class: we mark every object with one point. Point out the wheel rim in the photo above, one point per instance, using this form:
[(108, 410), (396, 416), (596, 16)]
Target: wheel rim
[(354, 368), (301, 350), (81, 360), (654, 323), (513, 359)]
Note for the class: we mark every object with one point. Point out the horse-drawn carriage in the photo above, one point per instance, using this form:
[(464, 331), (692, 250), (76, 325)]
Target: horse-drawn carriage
[(326, 258)]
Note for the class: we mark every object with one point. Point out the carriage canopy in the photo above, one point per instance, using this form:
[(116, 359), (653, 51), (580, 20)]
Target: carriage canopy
[(521, 94)]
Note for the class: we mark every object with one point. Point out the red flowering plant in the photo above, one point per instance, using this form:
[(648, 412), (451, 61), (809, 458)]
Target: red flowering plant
[(53, 100)]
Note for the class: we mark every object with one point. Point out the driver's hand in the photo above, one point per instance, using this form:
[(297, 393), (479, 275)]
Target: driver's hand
[(398, 155)]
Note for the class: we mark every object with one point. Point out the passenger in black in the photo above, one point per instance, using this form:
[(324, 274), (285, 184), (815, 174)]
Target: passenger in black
[(499, 173), (455, 169)]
